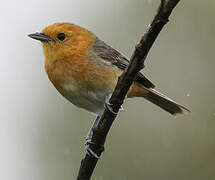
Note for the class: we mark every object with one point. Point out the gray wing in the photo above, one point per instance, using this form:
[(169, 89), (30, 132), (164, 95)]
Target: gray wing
[(109, 54)]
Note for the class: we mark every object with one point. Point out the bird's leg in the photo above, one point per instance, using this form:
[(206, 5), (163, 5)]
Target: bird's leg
[(90, 133), (89, 142), (108, 105)]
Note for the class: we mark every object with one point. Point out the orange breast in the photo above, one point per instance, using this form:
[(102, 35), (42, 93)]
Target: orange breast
[(82, 73)]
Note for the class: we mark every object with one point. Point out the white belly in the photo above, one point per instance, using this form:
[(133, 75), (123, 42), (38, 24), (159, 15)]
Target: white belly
[(92, 101)]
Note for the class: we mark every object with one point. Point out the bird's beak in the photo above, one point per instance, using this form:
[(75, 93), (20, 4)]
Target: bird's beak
[(41, 37)]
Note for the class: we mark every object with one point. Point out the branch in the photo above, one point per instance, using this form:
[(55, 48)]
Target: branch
[(124, 82)]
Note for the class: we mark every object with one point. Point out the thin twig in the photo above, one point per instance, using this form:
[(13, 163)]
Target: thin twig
[(124, 82)]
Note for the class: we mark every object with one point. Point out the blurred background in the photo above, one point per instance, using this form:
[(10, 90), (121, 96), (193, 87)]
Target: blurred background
[(42, 135)]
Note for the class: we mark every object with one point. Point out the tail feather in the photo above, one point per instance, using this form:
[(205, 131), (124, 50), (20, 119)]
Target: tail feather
[(165, 103), (157, 98)]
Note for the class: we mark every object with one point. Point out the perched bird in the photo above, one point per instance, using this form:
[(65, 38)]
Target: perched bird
[(84, 69)]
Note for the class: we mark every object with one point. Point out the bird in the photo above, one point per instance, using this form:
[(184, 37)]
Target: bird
[(85, 70)]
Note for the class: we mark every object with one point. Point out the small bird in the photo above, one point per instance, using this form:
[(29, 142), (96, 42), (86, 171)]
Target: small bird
[(85, 70)]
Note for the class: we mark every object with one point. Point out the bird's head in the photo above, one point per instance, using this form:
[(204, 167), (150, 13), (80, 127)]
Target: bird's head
[(61, 40)]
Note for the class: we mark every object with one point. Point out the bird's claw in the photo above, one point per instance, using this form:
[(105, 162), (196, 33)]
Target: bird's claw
[(89, 151), (108, 105)]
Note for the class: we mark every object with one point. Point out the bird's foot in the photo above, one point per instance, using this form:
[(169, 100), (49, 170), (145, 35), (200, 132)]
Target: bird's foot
[(90, 152), (109, 106), (88, 143)]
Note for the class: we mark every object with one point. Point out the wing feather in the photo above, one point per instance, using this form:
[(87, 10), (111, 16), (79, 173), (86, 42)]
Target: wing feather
[(106, 52)]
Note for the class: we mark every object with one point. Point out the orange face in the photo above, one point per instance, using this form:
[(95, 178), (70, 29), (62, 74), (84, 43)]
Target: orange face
[(68, 40)]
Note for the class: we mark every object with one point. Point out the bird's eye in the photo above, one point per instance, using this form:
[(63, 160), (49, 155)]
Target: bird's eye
[(61, 36)]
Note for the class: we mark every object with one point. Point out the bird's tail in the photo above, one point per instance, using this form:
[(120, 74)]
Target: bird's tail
[(159, 99)]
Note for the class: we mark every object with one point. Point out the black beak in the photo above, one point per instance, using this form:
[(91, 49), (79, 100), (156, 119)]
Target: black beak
[(41, 37)]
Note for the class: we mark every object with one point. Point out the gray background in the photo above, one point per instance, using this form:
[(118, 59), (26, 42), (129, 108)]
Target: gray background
[(42, 135)]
